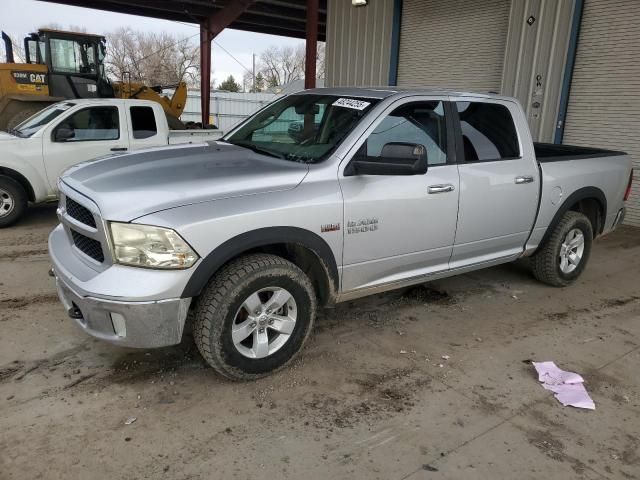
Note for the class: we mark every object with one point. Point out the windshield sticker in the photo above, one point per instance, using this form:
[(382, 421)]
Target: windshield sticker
[(351, 103)]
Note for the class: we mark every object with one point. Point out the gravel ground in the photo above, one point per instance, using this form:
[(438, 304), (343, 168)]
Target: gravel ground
[(370, 398)]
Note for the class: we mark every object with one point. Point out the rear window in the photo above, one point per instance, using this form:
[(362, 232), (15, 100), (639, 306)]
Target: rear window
[(488, 132), (143, 122)]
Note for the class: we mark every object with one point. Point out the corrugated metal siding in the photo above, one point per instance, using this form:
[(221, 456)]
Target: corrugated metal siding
[(604, 103), (226, 108), (358, 43), (535, 59), (456, 44)]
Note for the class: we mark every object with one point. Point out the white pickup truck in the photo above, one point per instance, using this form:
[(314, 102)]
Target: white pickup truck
[(34, 154)]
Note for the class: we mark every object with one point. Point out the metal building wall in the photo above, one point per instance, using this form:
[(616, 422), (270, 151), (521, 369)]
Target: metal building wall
[(227, 108), (358, 43), (456, 44), (604, 101), (535, 60)]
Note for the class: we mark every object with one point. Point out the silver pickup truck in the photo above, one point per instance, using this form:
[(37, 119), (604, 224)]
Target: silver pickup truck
[(373, 189)]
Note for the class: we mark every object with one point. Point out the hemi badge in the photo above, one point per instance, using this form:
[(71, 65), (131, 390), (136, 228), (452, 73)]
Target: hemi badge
[(330, 227)]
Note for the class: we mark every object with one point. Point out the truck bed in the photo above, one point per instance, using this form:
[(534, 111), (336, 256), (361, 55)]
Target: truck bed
[(552, 152), (193, 136)]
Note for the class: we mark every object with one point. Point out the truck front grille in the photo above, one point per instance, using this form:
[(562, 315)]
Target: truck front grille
[(80, 213), (90, 247)]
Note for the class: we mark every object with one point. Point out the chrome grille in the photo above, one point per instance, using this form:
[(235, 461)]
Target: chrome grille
[(80, 213), (90, 247)]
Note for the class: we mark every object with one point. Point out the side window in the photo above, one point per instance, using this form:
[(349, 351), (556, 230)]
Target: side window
[(416, 123), (89, 124), (488, 132), (143, 122)]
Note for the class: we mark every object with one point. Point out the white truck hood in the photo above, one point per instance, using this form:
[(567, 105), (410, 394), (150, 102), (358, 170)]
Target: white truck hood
[(6, 136), (126, 187)]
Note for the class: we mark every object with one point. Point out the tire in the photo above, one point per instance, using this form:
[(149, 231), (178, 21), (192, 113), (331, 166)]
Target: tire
[(223, 306), (547, 264), (13, 201)]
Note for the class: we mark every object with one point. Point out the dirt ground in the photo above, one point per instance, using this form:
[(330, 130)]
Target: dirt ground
[(370, 398)]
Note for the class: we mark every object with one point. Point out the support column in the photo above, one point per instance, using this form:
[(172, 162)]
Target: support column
[(209, 29), (311, 45), (205, 73)]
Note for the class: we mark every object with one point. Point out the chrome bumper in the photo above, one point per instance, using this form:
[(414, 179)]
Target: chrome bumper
[(130, 324)]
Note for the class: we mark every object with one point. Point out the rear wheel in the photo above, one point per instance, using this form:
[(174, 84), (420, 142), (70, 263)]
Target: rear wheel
[(565, 254), (254, 316), (13, 201)]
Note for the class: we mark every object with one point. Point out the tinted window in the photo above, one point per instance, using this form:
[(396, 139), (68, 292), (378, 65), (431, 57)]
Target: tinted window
[(143, 122), (416, 123), (488, 132), (94, 123)]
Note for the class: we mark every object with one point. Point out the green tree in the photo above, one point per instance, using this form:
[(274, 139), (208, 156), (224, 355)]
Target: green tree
[(230, 85)]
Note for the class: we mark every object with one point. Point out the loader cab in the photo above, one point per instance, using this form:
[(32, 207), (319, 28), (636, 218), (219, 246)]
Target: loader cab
[(75, 62)]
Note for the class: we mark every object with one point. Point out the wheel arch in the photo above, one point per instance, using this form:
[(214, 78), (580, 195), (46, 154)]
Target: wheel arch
[(591, 201), (305, 249), (21, 179)]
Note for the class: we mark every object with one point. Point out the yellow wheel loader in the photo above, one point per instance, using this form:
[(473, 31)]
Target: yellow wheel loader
[(66, 65)]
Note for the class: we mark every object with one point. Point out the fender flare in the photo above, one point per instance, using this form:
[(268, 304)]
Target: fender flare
[(260, 238), (580, 194), (33, 192)]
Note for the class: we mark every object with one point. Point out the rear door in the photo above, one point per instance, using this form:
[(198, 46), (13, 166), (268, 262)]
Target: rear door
[(499, 182), (401, 226), (87, 133)]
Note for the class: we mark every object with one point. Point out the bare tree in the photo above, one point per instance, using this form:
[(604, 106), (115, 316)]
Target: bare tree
[(152, 58), (282, 65), (320, 60)]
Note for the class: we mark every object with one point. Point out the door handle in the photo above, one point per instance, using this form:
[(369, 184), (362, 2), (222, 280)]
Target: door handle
[(119, 149), (440, 188), (524, 179)]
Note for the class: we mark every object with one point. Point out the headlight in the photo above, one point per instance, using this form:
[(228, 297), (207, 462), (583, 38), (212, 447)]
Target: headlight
[(151, 247)]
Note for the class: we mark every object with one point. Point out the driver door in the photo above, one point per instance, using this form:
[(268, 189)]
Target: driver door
[(400, 227), (83, 135)]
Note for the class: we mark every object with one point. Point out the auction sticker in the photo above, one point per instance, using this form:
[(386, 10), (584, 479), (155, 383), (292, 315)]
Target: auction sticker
[(351, 103)]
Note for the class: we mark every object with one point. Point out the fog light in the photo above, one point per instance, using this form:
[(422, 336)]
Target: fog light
[(119, 324)]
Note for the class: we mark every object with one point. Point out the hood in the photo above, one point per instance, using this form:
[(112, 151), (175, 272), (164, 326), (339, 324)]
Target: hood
[(6, 136), (129, 186)]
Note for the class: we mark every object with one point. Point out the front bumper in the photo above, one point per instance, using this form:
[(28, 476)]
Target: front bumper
[(132, 307), (130, 324)]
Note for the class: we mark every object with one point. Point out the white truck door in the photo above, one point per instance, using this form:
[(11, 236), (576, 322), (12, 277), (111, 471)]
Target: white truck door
[(84, 134), (147, 126), (499, 182), (400, 226)]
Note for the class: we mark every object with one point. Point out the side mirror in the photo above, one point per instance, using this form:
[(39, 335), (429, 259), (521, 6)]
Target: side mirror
[(396, 158), (62, 134)]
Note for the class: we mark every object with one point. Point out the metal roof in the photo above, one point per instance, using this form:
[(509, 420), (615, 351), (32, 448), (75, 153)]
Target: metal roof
[(276, 17)]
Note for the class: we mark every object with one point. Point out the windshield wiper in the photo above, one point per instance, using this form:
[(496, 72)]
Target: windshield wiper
[(258, 149), (15, 132)]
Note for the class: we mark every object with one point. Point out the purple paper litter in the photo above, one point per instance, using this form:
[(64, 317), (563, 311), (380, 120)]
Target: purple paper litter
[(567, 386)]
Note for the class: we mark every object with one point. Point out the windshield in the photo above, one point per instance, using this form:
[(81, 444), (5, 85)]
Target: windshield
[(40, 119), (73, 56), (302, 128)]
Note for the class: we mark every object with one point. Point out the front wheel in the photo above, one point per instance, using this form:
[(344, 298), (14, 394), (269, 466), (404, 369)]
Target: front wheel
[(254, 316), (564, 256), (13, 201)]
